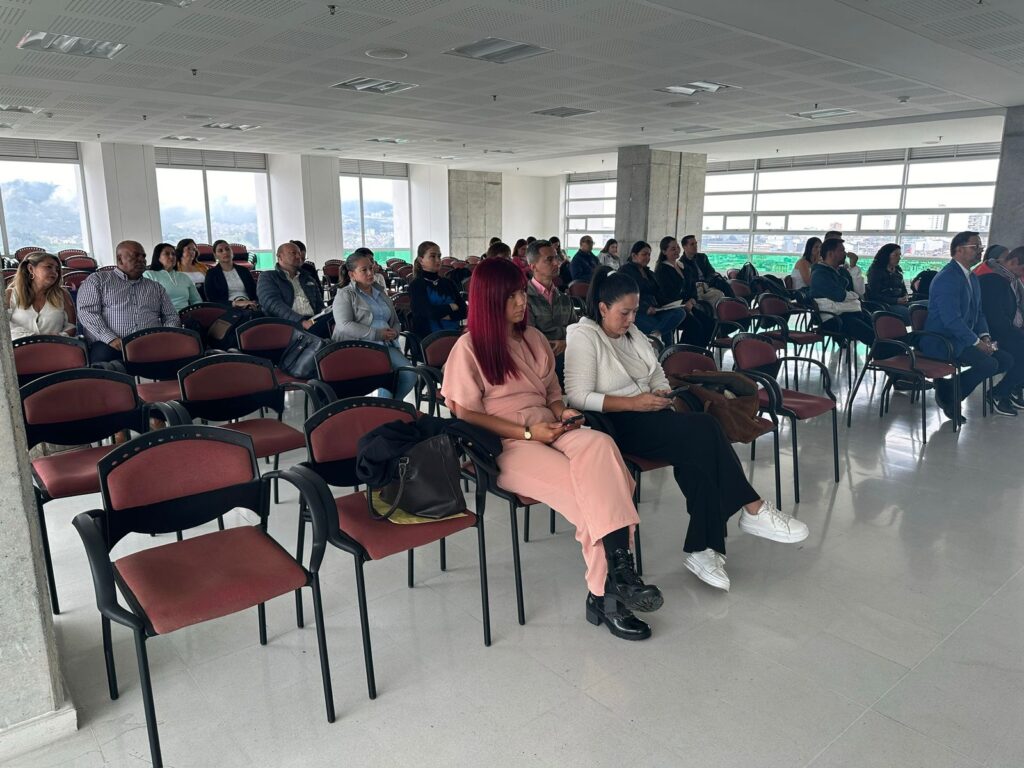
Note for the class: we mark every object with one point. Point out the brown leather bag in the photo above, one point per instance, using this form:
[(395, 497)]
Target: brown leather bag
[(736, 412)]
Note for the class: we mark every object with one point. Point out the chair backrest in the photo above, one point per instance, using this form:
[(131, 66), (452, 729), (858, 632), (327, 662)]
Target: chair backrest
[(732, 274), (224, 387), (771, 304), (83, 405), (681, 359), (788, 282), (265, 337), (71, 252), (333, 433), (205, 313), (888, 325), (205, 252), (73, 280), (437, 346), (106, 268), (740, 289), (732, 310), (21, 253), (354, 368), (36, 356), (332, 269), (239, 252), (80, 261), (159, 353), (918, 317), (578, 289), (178, 478), (755, 354)]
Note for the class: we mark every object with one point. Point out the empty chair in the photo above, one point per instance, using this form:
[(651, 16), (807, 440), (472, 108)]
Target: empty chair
[(73, 280), (79, 261), (62, 255), (21, 253), (203, 315), (356, 368), (158, 354), (36, 356)]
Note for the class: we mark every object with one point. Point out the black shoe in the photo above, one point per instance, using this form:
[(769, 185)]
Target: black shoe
[(620, 620), (1017, 398), (1001, 405), (943, 400), (624, 584)]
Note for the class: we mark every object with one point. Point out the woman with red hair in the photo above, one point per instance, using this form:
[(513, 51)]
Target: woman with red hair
[(501, 376)]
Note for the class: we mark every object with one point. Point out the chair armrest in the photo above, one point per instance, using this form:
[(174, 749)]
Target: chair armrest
[(174, 414), (323, 512), (771, 386), (779, 322), (736, 327), (430, 377), (318, 393), (413, 349), (826, 377), (88, 526), (913, 336)]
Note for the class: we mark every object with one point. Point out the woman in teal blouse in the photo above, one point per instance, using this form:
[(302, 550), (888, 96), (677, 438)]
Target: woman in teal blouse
[(163, 270)]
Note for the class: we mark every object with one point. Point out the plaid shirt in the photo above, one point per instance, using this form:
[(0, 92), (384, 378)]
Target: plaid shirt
[(110, 306)]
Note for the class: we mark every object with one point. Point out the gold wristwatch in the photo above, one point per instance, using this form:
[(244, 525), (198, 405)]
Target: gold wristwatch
[(527, 434)]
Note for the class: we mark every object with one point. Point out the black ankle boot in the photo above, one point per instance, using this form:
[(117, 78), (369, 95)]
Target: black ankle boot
[(624, 584), (620, 620)]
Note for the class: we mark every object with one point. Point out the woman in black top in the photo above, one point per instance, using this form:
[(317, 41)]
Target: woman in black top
[(648, 317), (217, 288), (885, 281), (436, 302), (677, 280)]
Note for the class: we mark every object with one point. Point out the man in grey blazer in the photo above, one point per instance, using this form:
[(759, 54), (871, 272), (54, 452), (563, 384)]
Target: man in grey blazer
[(289, 292)]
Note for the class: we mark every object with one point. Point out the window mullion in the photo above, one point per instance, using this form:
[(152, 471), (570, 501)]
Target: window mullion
[(3, 227), (206, 206)]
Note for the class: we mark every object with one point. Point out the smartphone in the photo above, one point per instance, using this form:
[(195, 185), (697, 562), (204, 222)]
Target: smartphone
[(676, 392), (573, 420)]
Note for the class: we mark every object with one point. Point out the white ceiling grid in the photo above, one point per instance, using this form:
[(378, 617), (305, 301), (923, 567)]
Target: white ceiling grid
[(272, 62)]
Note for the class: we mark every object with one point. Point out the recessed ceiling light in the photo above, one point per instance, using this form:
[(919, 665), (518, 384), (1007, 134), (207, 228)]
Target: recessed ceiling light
[(694, 129), (181, 138), (6, 127), (697, 86), (52, 42), (373, 85), (498, 152), (20, 108), (387, 54), (231, 126), (446, 157), (932, 141), (823, 114), (198, 117), (327, 149), (388, 140), (563, 112), (682, 104), (444, 141), (498, 51), (174, 3)]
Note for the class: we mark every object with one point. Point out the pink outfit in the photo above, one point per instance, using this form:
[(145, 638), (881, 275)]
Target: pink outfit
[(581, 474)]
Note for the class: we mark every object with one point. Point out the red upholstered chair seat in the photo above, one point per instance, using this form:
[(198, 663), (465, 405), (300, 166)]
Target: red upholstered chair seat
[(158, 391), (645, 465), (722, 341), (72, 473), (800, 404), (270, 436), (287, 378), (195, 580), (380, 538), (800, 338), (933, 369)]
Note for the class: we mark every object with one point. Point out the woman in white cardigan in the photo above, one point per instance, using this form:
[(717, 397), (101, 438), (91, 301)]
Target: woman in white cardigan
[(610, 367), (38, 303)]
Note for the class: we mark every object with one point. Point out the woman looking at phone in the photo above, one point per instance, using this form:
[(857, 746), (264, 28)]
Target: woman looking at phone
[(500, 376), (611, 367)]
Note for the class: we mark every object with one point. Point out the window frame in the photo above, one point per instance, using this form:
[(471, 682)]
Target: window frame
[(83, 212), (571, 235), (362, 217)]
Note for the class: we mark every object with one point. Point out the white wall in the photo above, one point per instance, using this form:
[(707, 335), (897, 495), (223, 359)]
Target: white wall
[(287, 209), (321, 195), (530, 206), (428, 186)]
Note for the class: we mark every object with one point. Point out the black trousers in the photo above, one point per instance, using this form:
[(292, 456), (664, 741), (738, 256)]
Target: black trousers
[(855, 324), (705, 465), (103, 353), (696, 329)]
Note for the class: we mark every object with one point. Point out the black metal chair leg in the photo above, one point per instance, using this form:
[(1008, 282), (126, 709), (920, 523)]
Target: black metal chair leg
[(551, 521), (108, 658), (54, 603), (526, 523), (516, 563), (485, 603), (147, 699), (321, 641), (179, 536), (753, 445), (443, 555), (364, 625), (835, 443), (220, 522), (411, 568), (300, 545), (277, 487), (778, 469), (261, 613), (924, 413), (796, 462), (638, 546)]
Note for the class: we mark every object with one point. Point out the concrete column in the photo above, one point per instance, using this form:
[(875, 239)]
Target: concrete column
[(1008, 210), (428, 187), (306, 202), (33, 707), (659, 193), (474, 210)]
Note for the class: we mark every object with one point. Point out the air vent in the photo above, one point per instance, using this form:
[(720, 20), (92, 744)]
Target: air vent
[(52, 42), (498, 152), (388, 140), (20, 109), (172, 3), (694, 129), (6, 127), (498, 51), (181, 138), (564, 112), (697, 86), (231, 126), (327, 149), (374, 85), (682, 104), (824, 114)]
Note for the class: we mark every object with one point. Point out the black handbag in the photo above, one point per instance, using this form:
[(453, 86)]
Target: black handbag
[(299, 357), (427, 484)]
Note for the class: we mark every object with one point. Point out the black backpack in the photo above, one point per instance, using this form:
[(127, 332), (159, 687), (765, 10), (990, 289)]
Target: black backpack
[(921, 284), (747, 273)]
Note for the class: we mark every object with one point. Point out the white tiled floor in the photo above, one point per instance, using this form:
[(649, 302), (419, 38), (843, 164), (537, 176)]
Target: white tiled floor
[(889, 639)]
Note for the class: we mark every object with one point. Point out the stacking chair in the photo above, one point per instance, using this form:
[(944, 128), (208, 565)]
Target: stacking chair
[(893, 355), (771, 305), (355, 368), (203, 473), (682, 359), (577, 291), (434, 351), (78, 407), (741, 290), (332, 276), (64, 254), (36, 356), (843, 342), (759, 359), (734, 316), (158, 354), (21, 253), (266, 337), (79, 261), (73, 280), (205, 314), (332, 436)]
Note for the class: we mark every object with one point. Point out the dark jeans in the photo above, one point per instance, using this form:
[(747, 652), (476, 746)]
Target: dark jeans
[(664, 323), (983, 366), (855, 324), (103, 353), (321, 328), (697, 328), (1014, 380), (705, 466)]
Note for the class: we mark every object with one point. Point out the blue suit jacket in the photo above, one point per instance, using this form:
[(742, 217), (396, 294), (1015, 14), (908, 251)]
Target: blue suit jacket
[(954, 311)]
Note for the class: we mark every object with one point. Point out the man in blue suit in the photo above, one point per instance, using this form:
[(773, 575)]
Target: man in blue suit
[(955, 313)]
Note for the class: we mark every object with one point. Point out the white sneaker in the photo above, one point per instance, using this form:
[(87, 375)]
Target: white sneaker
[(709, 567), (772, 523)]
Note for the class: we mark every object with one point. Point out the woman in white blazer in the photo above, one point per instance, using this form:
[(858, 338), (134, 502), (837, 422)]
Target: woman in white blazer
[(610, 367)]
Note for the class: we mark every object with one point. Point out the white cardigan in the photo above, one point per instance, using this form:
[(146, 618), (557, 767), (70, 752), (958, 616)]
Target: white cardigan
[(593, 368)]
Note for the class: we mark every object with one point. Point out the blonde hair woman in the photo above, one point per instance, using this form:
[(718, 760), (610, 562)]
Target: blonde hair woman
[(37, 301)]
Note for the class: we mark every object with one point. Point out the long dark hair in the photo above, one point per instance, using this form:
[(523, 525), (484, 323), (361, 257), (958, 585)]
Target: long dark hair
[(607, 287), (666, 241), (154, 262), (638, 246), (179, 249), (809, 247), (608, 244), (881, 260)]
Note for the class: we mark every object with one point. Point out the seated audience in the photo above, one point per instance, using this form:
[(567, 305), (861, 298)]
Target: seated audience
[(230, 283), (612, 369), (840, 307), (564, 272), (852, 275), (584, 262), (436, 302), (550, 311), (187, 254), (116, 302), (307, 266), (363, 312), (1002, 300), (378, 271), (801, 273), (650, 319), (163, 269), (38, 304), (287, 291), (519, 256), (711, 286), (955, 313), (677, 282), (885, 282), (501, 377), (609, 255)]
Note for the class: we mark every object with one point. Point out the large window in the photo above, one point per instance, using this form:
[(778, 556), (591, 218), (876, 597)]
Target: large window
[(589, 208), (41, 200), (214, 202), (375, 208), (767, 209)]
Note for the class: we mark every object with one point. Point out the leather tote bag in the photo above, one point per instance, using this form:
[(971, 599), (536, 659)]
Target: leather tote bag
[(299, 357), (428, 482)]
